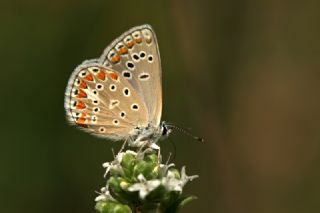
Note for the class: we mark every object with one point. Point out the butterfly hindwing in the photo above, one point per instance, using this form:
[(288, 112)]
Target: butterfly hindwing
[(103, 102)]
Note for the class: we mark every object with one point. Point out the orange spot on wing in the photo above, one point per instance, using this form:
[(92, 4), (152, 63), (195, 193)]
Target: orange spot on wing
[(123, 50), (115, 59), (82, 119), (130, 44), (89, 77), (101, 75), (81, 94), (113, 76), (80, 105), (138, 40), (83, 85)]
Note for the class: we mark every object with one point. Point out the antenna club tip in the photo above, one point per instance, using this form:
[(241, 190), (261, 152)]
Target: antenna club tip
[(199, 139)]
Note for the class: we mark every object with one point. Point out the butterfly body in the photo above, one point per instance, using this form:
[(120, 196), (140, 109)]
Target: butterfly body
[(119, 96)]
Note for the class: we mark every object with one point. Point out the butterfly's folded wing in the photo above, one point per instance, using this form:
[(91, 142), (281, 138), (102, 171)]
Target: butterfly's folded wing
[(102, 102), (135, 56)]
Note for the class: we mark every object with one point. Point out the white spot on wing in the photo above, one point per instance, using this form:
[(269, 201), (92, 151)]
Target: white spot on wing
[(144, 76), (113, 87), (99, 87), (96, 110), (126, 92), (135, 107), (115, 122)]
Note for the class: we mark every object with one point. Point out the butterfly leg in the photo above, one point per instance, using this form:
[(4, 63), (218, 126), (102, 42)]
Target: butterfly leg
[(159, 155), (143, 145), (123, 145)]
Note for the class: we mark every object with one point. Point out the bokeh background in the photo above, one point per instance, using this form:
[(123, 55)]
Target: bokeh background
[(243, 74)]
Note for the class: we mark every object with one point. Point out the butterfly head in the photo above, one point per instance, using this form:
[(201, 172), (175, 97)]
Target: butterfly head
[(165, 130)]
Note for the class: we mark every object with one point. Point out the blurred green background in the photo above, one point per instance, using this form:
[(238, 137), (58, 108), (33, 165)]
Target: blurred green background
[(243, 74)]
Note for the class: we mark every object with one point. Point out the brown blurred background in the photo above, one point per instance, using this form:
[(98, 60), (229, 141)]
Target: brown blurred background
[(244, 74)]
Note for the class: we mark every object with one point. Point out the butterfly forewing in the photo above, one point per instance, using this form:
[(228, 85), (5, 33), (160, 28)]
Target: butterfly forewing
[(135, 56), (103, 102)]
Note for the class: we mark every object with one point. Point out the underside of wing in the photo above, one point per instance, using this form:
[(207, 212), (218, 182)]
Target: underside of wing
[(135, 56), (102, 102)]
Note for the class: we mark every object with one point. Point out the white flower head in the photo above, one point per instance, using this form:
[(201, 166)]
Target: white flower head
[(144, 187), (104, 195), (172, 183), (163, 168), (111, 165), (185, 178), (101, 197), (115, 164)]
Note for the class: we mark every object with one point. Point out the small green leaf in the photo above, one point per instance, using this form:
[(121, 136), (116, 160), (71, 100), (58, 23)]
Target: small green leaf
[(153, 158), (128, 161), (112, 207), (114, 184), (148, 169), (179, 203)]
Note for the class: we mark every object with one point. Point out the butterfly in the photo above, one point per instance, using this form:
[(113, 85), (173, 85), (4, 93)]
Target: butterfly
[(119, 95)]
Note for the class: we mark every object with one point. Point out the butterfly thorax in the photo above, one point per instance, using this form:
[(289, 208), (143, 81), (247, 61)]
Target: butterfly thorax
[(150, 134)]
